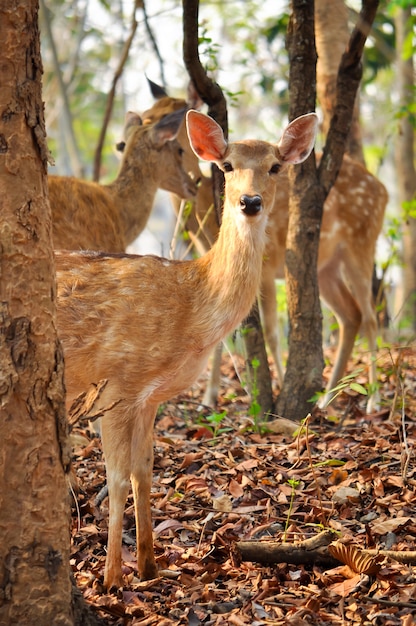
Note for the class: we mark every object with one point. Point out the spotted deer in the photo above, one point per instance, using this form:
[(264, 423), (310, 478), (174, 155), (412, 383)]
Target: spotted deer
[(147, 325), (91, 216), (352, 221), (201, 223)]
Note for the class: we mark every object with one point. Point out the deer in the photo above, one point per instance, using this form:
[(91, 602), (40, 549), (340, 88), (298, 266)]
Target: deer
[(352, 221), (201, 223), (91, 216), (147, 325)]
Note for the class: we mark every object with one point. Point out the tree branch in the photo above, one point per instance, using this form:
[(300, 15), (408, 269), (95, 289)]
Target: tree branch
[(111, 95)]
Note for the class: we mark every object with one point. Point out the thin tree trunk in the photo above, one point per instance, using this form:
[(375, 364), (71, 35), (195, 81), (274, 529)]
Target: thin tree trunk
[(70, 145), (405, 159), (110, 98), (212, 94), (259, 382)]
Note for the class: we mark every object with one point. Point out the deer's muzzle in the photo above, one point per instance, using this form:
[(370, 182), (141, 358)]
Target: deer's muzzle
[(251, 205)]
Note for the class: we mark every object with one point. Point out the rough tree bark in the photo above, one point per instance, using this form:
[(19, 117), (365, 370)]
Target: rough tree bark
[(34, 549), (305, 361), (210, 92), (212, 95), (35, 578), (309, 190), (405, 163)]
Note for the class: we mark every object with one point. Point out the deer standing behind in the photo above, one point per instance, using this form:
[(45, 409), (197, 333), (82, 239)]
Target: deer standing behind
[(201, 223), (147, 325), (91, 216), (351, 223)]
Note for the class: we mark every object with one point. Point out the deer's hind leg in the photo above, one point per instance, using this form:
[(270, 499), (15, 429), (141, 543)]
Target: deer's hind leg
[(339, 299), (141, 479)]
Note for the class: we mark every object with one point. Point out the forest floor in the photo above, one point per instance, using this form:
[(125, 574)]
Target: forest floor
[(221, 479)]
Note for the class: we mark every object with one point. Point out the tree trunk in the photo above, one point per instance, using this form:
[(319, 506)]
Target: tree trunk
[(207, 89), (257, 365), (212, 94), (405, 159), (35, 581), (305, 361), (308, 193)]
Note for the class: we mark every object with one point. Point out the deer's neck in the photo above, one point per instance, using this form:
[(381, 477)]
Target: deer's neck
[(134, 192), (232, 271)]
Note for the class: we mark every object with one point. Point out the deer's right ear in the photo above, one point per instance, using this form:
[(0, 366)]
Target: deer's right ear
[(205, 136), (132, 121)]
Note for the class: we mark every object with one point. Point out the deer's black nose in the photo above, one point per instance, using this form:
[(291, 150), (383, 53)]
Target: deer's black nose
[(250, 205)]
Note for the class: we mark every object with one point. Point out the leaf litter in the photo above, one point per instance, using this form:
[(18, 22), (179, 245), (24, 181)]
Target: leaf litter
[(221, 481)]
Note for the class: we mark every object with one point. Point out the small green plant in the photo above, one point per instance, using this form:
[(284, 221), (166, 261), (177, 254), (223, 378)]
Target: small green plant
[(213, 423), (293, 483), (347, 382)]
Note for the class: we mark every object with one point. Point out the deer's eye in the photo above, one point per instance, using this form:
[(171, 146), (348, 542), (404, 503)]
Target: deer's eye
[(274, 168), (227, 166), (181, 151)]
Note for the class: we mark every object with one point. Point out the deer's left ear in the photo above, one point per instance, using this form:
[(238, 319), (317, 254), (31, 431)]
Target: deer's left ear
[(298, 139), (205, 136)]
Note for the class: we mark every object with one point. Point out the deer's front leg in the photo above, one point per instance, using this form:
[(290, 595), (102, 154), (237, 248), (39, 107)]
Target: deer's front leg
[(116, 439)]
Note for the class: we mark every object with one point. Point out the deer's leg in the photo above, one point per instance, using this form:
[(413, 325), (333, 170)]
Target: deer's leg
[(116, 446), (213, 386), (141, 480), (339, 299), (369, 329), (270, 322), (361, 283)]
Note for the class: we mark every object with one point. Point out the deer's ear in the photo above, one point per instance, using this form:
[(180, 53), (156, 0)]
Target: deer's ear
[(132, 121), (205, 136), (157, 91), (298, 139), (167, 128)]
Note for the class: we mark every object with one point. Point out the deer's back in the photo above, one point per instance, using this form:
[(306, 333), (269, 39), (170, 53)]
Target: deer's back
[(84, 216), (352, 218)]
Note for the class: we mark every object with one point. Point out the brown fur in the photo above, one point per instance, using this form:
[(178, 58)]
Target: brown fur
[(91, 216), (148, 325)]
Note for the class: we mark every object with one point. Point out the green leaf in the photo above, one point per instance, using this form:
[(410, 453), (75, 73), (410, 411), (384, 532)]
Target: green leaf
[(359, 388), (330, 463)]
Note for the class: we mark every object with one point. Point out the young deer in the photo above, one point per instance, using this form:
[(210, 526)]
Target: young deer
[(352, 221), (148, 325), (91, 216)]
